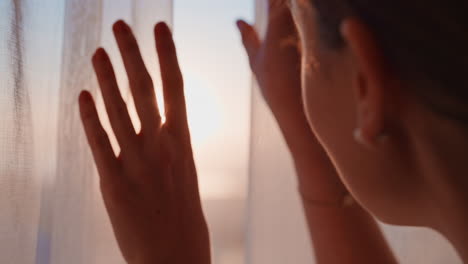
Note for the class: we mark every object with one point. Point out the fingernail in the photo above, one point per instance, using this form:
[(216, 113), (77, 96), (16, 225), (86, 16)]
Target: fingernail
[(240, 24), (85, 97), (121, 26), (162, 28), (100, 54)]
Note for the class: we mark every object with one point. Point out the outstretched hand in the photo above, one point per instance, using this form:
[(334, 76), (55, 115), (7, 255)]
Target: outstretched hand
[(150, 189)]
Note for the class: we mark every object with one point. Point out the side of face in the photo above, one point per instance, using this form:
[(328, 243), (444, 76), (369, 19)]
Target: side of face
[(345, 90)]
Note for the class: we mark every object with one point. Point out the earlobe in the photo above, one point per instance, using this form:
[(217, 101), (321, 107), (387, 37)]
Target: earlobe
[(359, 138), (371, 143)]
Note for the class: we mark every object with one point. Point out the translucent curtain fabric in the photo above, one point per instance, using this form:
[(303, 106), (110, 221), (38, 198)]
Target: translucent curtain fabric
[(277, 231), (51, 209)]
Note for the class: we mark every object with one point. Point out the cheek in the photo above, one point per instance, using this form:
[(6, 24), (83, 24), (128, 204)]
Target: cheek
[(326, 104), (327, 111), (328, 101), (329, 108), (330, 111), (312, 95)]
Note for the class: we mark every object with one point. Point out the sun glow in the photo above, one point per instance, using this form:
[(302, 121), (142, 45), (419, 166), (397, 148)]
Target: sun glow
[(204, 114)]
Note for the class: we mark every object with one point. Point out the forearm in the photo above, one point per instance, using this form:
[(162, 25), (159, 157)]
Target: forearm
[(340, 235)]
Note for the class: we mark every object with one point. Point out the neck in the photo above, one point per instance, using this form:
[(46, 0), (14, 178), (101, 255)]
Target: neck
[(442, 152), (449, 212), (446, 208), (451, 221), (443, 164)]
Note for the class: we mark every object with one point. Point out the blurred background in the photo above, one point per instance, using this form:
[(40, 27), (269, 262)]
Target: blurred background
[(218, 89)]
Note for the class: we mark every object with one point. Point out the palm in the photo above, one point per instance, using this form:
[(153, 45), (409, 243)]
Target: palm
[(150, 190), (155, 214)]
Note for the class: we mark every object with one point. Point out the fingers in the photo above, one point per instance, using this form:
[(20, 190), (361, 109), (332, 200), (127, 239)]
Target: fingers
[(115, 105), (275, 5), (173, 86), (140, 81), (97, 137), (250, 39)]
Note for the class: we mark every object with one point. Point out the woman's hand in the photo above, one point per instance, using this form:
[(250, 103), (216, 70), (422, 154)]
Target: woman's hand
[(150, 190), (276, 61)]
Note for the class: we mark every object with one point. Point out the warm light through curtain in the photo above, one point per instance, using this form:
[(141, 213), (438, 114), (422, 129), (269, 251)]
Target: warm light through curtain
[(218, 90), (277, 231), (50, 206), (51, 210)]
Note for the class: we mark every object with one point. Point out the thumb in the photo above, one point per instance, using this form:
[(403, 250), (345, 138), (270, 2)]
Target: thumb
[(250, 39)]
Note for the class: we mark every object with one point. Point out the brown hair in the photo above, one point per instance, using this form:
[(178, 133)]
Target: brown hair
[(424, 42)]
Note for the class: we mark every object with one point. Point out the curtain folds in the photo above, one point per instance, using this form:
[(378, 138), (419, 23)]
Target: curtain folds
[(51, 207), (51, 211)]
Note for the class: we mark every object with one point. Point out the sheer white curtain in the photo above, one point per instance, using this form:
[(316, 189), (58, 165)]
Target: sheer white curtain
[(50, 206), (51, 209), (277, 231)]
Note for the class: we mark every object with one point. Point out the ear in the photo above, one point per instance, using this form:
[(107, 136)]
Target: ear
[(369, 81)]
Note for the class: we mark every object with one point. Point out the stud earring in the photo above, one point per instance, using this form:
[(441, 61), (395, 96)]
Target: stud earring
[(359, 138)]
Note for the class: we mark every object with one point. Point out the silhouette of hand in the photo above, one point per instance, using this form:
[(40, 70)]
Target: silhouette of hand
[(276, 63), (276, 60), (150, 190)]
